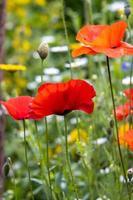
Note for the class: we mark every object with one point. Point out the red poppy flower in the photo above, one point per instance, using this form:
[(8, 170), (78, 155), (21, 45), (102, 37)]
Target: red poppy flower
[(128, 137), (129, 93), (62, 98), (123, 111), (103, 39), (18, 107)]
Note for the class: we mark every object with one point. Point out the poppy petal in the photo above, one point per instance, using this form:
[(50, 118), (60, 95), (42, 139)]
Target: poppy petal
[(83, 50), (89, 33), (18, 107), (128, 137), (117, 31), (128, 49), (87, 106), (123, 111), (61, 98), (129, 93), (111, 36)]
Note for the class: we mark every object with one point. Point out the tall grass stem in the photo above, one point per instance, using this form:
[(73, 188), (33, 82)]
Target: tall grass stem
[(26, 157), (68, 159)]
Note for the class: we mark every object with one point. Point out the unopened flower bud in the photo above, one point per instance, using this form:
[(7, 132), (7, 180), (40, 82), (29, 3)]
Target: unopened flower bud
[(6, 169), (130, 173), (127, 11), (111, 123), (43, 50)]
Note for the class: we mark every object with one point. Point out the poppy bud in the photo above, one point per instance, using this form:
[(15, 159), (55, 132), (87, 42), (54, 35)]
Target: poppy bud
[(111, 123), (43, 50), (127, 11), (130, 173), (6, 169)]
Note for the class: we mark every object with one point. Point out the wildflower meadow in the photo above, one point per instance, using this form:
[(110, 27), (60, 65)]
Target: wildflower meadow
[(66, 100)]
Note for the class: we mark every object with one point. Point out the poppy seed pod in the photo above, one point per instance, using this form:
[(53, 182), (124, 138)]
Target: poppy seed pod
[(43, 50)]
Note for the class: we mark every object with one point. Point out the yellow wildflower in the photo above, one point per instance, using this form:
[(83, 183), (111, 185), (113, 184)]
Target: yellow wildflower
[(40, 2), (26, 46), (21, 12), (12, 67), (21, 2), (74, 136), (58, 149), (16, 42), (120, 12)]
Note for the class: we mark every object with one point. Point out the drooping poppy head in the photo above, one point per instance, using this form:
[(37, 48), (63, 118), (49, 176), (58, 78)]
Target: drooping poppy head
[(128, 137), (62, 98), (18, 107), (129, 93), (103, 39)]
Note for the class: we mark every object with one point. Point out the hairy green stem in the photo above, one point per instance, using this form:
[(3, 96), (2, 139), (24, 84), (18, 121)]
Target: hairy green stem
[(27, 164), (42, 70), (68, 159), (42, 162), (14, 179), (116, 125), (47, 155)]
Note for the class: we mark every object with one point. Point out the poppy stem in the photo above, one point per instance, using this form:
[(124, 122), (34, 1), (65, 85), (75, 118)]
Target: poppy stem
[(47, 155), (26, 157), (14, 178), (68, 159), (41, 160), (116, 125), (42, 70), (67, 38), (77, 123), (131, 74)]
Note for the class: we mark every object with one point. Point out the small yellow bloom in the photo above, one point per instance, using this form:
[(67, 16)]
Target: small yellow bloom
[(58, 149), (22, 2), (21, 12), (16, 42), (120, 12), (40, 2), (75, 136), (122, 130), (10, 67), (26, 46)]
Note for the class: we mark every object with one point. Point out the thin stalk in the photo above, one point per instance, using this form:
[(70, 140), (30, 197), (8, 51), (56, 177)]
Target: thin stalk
[(41, 160), (42, 70), (67, 38), (116, 125), (82, 157), (88, 12), (68, 159), (131, 71), (14, 179), (131, 74), (47, 155), (77, 123), (26, 157)]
